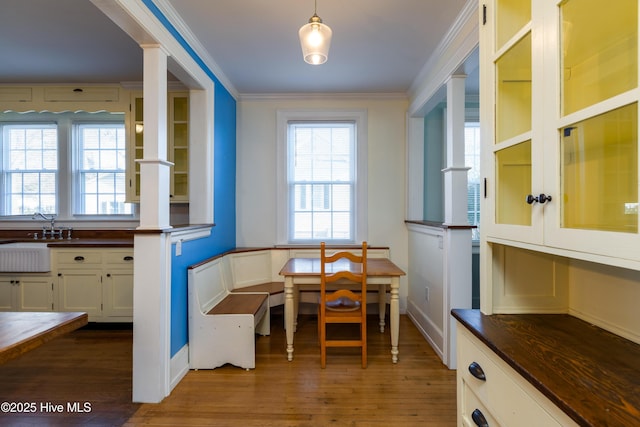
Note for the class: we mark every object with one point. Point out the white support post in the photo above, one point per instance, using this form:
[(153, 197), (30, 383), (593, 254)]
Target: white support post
[(154, 167), (457, 234), (152, 249), (455, 173)]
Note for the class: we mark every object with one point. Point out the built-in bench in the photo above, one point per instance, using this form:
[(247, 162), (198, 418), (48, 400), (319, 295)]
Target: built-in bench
[(222, 325), (217, 287)]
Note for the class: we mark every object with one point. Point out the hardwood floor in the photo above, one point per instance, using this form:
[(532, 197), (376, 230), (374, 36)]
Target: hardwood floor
[(94, 366)]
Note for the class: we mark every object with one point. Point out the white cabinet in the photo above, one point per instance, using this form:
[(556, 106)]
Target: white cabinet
[(177, 146), (95, 280), (117, 286), (559, 117), (490, 390), (27, 292)]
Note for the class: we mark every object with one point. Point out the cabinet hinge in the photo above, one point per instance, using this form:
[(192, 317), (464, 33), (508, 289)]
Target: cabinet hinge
[(484, 14)]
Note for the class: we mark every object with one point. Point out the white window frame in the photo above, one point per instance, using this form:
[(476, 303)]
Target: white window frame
[(65, 122), (78, 148), (7, 171), (359, 117)]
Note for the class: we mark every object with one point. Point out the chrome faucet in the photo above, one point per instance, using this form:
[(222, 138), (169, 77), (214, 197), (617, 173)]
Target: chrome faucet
[(52, 232)]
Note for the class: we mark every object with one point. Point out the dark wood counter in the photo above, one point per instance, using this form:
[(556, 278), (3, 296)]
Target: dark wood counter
[(589, 373), (23, 331)]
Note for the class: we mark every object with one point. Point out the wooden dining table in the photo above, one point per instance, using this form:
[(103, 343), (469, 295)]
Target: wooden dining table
[(304, 273), (21, 332)]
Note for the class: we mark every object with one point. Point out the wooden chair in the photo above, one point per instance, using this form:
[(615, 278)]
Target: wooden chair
[(343, 305)]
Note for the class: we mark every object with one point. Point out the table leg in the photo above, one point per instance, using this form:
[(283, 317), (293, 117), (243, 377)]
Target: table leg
[(382, 304), (395, 317), (288, 314)]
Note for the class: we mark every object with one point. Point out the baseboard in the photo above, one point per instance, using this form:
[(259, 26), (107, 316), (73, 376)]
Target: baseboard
[(179, 366)]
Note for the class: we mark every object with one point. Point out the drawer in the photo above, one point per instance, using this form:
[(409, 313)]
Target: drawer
[(510, 399), (472, 411), (119, 258), (77, 258)]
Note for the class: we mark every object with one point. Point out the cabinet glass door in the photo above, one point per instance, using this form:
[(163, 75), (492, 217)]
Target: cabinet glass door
[(513, 173), (596, 210), (179, 149)]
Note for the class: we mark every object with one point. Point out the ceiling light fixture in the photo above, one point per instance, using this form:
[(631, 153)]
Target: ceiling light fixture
[(315, 39)]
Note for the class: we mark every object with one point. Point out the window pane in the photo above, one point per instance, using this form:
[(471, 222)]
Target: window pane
[(321, 180)]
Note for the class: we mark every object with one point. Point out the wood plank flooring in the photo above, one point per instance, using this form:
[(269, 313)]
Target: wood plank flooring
[(94, 366)]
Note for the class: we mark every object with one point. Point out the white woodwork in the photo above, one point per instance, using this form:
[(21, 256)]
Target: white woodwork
[(505, 398), (216, 339), (26, 292), (96, 280)]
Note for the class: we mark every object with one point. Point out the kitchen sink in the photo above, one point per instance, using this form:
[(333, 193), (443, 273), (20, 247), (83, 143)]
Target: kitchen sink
[(25, 257)]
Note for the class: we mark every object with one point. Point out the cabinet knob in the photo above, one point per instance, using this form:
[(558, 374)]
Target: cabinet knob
[(478, 418), (108, 274), (542, 198), (78, 258), (127, 258), (477, 371)]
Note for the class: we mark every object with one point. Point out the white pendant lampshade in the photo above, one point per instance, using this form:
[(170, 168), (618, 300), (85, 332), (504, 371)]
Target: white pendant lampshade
[(315, 39)]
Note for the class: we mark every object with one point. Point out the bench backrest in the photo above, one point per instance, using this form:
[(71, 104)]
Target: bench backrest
[(207, 285)]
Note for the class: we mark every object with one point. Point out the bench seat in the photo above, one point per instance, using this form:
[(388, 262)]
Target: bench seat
[(244, 303), (222, 325)]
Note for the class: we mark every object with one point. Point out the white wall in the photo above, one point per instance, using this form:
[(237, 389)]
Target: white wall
[(256, 169)]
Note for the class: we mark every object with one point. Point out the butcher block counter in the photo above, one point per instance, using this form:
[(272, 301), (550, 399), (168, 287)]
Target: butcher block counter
[(592, 375), (22, 332)]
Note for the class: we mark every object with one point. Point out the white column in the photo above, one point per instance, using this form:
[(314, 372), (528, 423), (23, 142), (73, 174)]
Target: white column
[(152, 246), (457, 234), (455, 173), (154, 167)]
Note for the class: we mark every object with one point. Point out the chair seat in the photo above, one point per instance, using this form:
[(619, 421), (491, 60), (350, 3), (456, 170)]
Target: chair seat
[(343, 304)]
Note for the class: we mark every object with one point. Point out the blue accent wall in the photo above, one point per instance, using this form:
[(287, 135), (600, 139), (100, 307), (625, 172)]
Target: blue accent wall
[(223, 237)]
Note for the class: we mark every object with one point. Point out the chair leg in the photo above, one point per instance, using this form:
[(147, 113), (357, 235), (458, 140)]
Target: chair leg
[(363, 338), (323, 345)]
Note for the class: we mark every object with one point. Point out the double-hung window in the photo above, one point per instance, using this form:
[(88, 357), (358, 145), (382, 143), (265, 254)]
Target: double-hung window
[(67, 164), (101, 168), (29, 169), (322, 193)]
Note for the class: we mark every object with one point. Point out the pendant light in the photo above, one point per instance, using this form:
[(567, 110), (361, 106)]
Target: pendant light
[(315, 39)]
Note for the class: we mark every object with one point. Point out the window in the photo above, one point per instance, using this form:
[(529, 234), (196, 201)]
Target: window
[(322, 181), (30, 169), (472, 160), (101, 167), (70, 164)]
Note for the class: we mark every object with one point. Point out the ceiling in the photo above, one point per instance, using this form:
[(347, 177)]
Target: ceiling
[(378, 46)]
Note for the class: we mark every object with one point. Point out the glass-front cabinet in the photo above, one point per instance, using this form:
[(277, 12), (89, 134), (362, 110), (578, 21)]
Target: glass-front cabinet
[(177, 146), (560, 126)]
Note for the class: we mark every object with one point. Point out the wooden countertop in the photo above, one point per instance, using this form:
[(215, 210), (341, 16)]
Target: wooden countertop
[(21, 332), (589, 373)]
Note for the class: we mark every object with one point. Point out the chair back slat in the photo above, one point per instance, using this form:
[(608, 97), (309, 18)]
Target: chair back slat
[(345, 305)]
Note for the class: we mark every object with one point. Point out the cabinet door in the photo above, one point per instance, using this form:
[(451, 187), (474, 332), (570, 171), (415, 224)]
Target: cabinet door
[(177, 146), (512, 155), (135, 147), (592, 127), (118, 293), (7, 294), (34, 293), (80, 290)]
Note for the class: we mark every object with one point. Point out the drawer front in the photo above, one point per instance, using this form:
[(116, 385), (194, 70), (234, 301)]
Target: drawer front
[(502, 392), (473, 412), (78, 258), (119, 258)]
